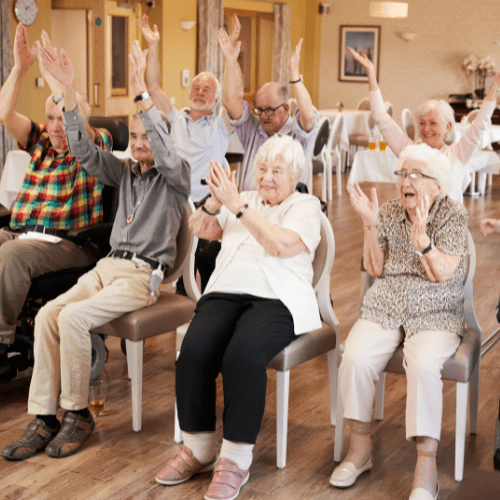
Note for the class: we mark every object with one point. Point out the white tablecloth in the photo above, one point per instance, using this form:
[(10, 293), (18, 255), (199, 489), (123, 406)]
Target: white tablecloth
[(378, 166), (355, 122), (14, 170), (492, 134)]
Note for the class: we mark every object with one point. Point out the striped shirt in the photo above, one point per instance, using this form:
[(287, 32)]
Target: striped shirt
[(57, 192)]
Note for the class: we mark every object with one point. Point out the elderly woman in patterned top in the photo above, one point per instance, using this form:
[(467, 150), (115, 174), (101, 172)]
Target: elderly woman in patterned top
[(415, 246)]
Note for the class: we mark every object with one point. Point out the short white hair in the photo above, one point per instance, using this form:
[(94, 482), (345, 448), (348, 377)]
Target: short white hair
[(438, 163), (288, 148), (442, 109), (218, 86)]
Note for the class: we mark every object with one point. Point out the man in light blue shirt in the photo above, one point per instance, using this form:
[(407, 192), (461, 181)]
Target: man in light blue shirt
[(199, 134)]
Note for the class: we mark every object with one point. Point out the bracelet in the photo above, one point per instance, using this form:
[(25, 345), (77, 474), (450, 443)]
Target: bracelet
[(210, 213), (495, 89), (370, 228), (297, 81)]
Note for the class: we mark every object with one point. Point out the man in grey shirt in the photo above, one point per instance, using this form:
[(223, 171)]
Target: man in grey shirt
[(153, 193)]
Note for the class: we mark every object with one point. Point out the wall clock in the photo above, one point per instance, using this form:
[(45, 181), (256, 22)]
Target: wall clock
[(26, 11)]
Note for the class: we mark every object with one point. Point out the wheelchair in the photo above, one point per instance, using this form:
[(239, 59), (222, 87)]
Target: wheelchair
[(19, 355)]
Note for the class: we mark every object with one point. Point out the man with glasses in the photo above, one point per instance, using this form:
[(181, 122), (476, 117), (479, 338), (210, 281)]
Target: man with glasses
[(271, 112)]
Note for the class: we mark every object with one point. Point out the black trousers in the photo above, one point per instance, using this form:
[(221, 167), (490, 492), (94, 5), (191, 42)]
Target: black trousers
[(237, 336)]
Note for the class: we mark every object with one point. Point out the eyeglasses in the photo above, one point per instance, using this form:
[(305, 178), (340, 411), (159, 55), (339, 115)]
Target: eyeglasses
[(268, 111), (412, 175)]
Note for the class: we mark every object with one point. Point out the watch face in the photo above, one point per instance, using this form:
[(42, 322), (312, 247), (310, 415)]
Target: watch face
[(26, 11)]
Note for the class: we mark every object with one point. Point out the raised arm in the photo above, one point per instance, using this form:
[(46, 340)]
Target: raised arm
[(438, 265), (232, 80), (304, 102), (394, 135), (17, 124), (373, 255), (153, 74)]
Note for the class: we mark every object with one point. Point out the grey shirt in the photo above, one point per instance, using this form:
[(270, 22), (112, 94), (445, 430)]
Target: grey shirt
[(150, 205)]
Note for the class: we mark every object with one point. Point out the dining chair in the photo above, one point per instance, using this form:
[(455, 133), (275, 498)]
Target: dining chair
[(408, 123), (471, 116), (305, 347), (364, 104), (169, 312), (361, 140), (320, 142), (463, 368)]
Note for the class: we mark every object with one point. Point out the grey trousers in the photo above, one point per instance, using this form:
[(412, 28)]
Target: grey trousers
[(23, 260)]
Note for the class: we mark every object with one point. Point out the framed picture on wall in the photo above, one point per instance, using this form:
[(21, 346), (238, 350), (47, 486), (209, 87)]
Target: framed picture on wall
[(363, 39)]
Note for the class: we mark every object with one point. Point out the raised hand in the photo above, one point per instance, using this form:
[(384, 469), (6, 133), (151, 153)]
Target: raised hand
[(152, 36), (294, 61), (53, 82), (230, 47), (222, 186), (366, 208), (363, 60), (235, 34), (418, 235), (60, 68), (137, 60), (489, 226), (23, 55)]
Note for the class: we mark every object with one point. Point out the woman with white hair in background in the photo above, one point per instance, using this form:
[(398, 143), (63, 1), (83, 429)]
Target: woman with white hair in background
[(415, 246), (258, 299), (435, 124)]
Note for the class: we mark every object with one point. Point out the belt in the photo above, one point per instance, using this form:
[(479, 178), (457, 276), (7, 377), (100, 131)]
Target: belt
[(152, 263)]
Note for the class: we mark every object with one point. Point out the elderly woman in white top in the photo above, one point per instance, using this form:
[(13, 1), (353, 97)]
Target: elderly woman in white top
[(435, 120), (258, 299), (415, 246)]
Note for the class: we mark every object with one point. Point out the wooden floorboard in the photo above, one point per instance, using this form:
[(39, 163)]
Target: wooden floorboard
[(119, 464)]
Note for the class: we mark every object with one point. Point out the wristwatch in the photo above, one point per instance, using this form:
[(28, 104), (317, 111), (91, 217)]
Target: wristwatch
[(242, 210), (58, 98), (297, 81), (425, 250), (143, 96)]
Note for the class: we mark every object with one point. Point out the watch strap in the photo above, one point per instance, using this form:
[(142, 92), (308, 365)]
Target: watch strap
[(242, 210), (57, 98), (143, 96), (297, 81), (425, 250)]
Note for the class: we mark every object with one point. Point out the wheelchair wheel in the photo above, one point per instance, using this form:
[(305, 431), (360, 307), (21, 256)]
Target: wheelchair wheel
[(98, 354)]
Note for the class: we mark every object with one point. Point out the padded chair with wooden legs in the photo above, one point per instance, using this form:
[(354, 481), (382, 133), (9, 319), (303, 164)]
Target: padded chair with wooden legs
[(169, 312), (463, 368), (305, 347), (408, 123)]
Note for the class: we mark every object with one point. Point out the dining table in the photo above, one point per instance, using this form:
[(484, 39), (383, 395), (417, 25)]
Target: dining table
[(378, 166), (491, 134)]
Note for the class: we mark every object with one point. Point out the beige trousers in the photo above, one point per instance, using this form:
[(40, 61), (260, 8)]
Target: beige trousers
[(23, 260), (367, 350), (61, 374)]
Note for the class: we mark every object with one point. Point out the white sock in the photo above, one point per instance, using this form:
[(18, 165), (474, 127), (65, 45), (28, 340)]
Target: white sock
[(202, 444), (241, 453)]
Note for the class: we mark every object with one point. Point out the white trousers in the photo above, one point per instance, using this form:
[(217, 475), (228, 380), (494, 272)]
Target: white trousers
[(63, 350), (367, 350)]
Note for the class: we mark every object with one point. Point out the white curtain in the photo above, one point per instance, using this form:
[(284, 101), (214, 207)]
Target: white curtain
[(7, 142)]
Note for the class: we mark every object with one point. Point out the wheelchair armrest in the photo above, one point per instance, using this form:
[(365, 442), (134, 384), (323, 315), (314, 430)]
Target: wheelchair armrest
[(96, 231)]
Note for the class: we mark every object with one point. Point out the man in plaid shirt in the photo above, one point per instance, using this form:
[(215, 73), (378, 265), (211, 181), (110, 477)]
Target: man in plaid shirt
[(57, 194)]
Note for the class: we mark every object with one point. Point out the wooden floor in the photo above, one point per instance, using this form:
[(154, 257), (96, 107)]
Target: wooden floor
[(120, 464)]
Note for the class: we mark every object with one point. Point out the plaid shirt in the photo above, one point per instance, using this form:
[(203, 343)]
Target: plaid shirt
[(57, 192)]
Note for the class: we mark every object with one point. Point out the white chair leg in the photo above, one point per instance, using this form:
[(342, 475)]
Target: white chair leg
[(282, 395), (333, 369), (129, 360), (490, 180), (177, 428), (134, 359), (481, 182), (474, 397), (379, 397), (339, 180), (339, 430), (461, 423)]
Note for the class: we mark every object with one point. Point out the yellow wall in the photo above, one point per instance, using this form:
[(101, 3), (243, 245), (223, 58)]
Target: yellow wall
[(179, 47), (428, 67)]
